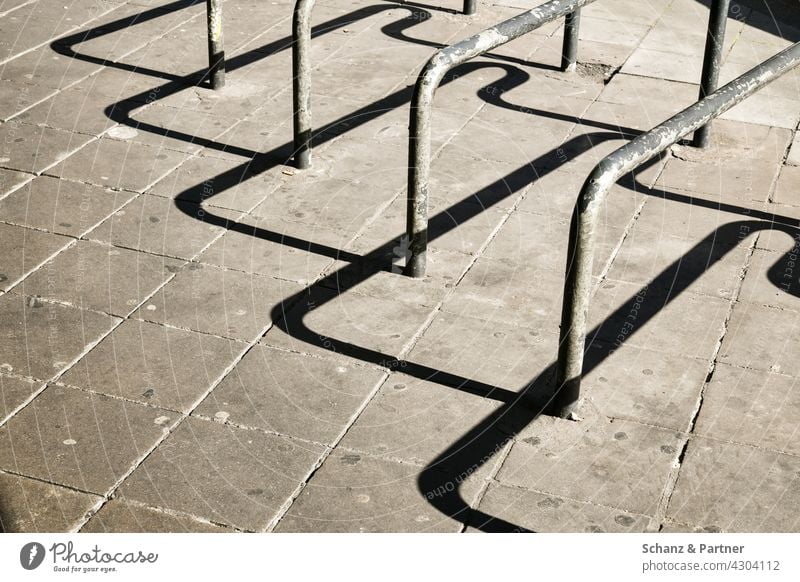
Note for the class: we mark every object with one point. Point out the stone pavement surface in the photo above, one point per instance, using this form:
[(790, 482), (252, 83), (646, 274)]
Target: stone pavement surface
[(197, 337)]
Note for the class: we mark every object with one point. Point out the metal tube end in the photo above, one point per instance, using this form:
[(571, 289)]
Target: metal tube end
[(302, 159)]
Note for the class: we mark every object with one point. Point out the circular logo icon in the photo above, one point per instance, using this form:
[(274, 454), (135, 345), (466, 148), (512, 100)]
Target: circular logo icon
[(31, 555)]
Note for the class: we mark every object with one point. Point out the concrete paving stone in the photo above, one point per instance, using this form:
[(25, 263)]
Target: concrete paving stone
[(95, 276), (772, 280), (766, 110), (735, 488), (223, 474), (703, 267), (29, 26), (46, 68), (291, 394), (10, 180), (236, 100), (783, 87), (118, 91), (217, 182), (493, 353), (462, 227), (81, 440), (172, 53), (729, 182), (159, 225), (793, 159), (70, 110), (30, 148), (601, 29), (334, 204), (742, 142), (224, 303), (278, 248), (155, 365), (62, 207), (42, 339), (659, 319), (788, 186), (671, 66), (646, 13), (118, 164), (776, 231), (751, 407), (33, 506), (633, 90), (512, 292), (14, 392), (697, 217), (24, 250), (617, 463), (368, 329), (531, 511), (121, 516), (356, 493), (638, 384), (17, 96), (169, 128), (762, 338), (416, 421)]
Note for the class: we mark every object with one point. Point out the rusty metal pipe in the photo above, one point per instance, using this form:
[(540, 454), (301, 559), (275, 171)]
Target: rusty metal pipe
[(301, 82), (569, 53), (216, 50), (712, 62), (419, 145), (578, 283)]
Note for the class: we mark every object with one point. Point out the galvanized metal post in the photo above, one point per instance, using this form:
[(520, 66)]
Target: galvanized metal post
[(470, 6), (569, 54), (712, 62), (578, 282), (419, 144), (301, 82), (216, 50)]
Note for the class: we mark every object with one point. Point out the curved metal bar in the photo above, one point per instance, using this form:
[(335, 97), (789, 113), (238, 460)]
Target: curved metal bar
[(419, 145), (301, 82), (216, 50), (577, 286)]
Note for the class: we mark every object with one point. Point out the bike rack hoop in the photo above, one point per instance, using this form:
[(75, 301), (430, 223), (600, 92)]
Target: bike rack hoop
[(578, 282)]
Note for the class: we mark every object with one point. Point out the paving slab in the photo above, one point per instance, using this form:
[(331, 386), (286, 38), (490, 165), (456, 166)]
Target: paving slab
[(357, 493), (14, 393), (642, 385), (762, 338), (11, 180), (118, 164), (122, 516), (155, 365), (793, 158), (25, 249), (35, 506), (31, 148), (224, 303), (291, 394), (223, 474), (72, 110), (160, 226), (618, 464), (42, 339), (659, 319), (735, 488), (492, 353), (772, 280), (59, 206), (95, 276), (415, 420), (368, 329), (751, 407), (531, 511), (217, 182), (169, 128), (78, 439), (788, 186), (278, 248)]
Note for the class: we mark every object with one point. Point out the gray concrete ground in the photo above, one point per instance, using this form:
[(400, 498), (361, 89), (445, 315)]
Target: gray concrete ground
[(197, 337)]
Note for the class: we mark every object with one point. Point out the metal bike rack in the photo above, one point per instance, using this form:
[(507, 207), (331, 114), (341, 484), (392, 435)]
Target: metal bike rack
[(301, 80), (419, 151), (577, 286)]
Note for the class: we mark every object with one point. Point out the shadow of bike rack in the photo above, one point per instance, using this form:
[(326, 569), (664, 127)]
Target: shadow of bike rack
[(577, 286), (419, 145)]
